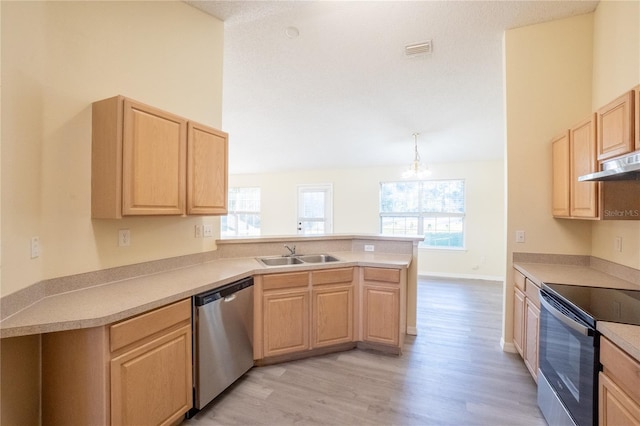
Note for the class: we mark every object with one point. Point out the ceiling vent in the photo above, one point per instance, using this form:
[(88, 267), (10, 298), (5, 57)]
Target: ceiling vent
[(423, 48)]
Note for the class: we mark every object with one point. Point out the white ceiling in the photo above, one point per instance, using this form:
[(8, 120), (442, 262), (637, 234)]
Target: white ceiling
[(344, 94)]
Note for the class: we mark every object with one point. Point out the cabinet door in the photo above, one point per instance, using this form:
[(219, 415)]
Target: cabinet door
[(381, 314), (152, 383), (332, 315), (561, 176), (153, 161), (584, 195), (518, 320), (636, 129), (285, 322), (532, 329), (207, 156), (615, 406), (615, 127)]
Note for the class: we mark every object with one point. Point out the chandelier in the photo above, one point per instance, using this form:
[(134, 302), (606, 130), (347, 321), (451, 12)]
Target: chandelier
[(416, 169)]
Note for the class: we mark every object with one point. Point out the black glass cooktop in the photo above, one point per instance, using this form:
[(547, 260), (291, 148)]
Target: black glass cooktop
[(600, 304)]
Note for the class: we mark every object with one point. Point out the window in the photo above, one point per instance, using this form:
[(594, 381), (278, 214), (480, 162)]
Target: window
[(243, 217), (432, 208)]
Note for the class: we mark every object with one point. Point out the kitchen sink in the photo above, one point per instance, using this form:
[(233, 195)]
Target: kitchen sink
[(280, 261), (297, 260), (318, 258)]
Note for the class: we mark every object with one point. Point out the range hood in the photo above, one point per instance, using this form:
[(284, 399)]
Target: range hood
[(622, 168)]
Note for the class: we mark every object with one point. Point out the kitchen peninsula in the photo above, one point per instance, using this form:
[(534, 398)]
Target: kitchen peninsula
[(102, 297), (103, 332)]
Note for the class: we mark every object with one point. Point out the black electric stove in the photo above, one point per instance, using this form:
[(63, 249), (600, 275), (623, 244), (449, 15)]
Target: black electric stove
[(569, 347), (594, 304)]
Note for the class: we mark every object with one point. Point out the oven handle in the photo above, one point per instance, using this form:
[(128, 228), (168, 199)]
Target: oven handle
[(584, 330)]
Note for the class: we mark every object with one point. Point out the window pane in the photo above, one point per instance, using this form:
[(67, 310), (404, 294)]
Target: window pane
[(243, 216), (444, 232), (309, 227), (313, 204), (444, 196), (400, 225), (399, 197)]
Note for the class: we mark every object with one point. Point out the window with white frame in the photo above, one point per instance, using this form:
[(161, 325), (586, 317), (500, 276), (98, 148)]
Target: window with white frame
[(434, 209), (243, 217)]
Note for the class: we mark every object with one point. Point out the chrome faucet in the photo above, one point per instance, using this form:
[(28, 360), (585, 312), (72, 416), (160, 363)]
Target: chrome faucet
[(292, 251)]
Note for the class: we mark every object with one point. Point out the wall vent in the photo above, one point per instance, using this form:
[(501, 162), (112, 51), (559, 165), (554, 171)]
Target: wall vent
[(423, 48)]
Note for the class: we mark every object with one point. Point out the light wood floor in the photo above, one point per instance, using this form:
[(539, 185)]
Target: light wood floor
[(452, 373)]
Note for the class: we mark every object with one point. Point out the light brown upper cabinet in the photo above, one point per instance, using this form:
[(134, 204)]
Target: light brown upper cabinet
[(207, 179), (146, 161), (582, 149), (561, 175), (636, 90), (615, 127), (574, 155)]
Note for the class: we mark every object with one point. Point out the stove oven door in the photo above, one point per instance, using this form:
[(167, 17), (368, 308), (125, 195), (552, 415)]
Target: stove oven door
[(569, 359)]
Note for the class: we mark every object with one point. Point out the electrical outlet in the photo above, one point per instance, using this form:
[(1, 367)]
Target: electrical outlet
[(520, 237), (35, 247), (207, 231), (369, 247), (198, 231), (617, 244), (124, 238)]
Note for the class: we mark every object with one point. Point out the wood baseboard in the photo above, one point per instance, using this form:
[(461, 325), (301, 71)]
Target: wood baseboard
[(507, 347)]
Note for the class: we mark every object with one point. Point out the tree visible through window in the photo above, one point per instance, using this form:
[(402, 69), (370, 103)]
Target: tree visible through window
[(243, 217), (434, 209)]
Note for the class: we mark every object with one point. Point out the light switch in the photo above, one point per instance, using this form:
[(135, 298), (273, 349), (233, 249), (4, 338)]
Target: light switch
[(520, 237)]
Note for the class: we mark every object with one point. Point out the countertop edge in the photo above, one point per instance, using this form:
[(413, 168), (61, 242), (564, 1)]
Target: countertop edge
[(625, 336), (21, 324)]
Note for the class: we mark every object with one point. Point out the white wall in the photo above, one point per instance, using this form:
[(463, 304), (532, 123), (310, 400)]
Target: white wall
[(58, 58), (356, 210)]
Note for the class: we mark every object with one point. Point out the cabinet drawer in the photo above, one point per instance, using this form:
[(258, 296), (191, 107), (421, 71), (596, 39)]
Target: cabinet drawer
[(621, 367), (382, 274), (288, 280), (533, 292), (518, 279), (129, 331), (332, 276)]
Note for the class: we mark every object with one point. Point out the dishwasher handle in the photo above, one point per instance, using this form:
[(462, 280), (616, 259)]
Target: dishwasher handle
[(223, 292)]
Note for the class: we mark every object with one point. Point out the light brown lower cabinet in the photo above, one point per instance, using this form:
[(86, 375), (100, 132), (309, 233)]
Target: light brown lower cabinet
[(333, 307), (305, 312), (526, 320), (300, 311), (619, 387), (381, 306), (532, 332), (134, 372), (519, 306)]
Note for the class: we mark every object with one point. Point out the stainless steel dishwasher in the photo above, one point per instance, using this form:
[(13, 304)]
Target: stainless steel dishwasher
[(223, 344)]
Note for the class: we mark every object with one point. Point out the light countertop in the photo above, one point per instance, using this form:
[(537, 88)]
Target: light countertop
[(107, 303), (626, 336)]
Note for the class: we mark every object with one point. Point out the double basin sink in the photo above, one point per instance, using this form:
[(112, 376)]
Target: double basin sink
[(297, 259)]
